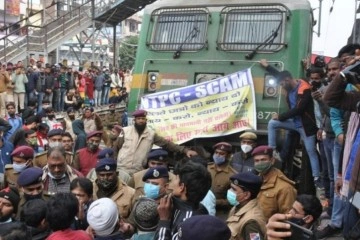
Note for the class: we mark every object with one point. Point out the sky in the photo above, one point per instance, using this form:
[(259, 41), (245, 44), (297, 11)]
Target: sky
[(336, 26)]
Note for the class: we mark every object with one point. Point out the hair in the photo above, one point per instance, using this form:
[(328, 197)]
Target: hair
[(32, 102), (349, 49), (67, 134), (10, 104), (196, 179), (83, 183), (311, 205), (320, 71), (33, 212), (28, 132), (62, 209), (30, 120), (43, 126), (45, 101), (49, 110), (59, 149), (334, 60), (15, 231), (284, 74)]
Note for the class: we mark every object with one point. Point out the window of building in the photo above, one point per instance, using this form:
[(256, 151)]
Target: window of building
[(252, 27), (179, 29)]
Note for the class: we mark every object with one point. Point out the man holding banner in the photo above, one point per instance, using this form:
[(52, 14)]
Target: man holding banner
[(136, 142)]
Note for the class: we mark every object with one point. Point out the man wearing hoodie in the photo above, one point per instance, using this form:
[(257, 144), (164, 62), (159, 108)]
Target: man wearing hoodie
[(79, 131)]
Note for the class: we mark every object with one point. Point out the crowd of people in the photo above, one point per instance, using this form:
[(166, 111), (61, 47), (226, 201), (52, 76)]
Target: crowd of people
[(88, 178), (61, 86)]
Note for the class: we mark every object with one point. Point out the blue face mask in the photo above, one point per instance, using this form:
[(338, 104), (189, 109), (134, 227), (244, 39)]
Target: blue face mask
[(231, 197), (18, 168), (218, 160), (151, 191)]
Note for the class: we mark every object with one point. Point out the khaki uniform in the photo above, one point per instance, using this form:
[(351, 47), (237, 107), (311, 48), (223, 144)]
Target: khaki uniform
[(40, 159), (247, 220), (277, 193), (137, 183), (112, 119), (11, 176), (123, 197), (220, 176)]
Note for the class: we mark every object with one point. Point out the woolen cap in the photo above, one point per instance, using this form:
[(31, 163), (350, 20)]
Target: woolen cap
[(94, 134), (146, 215), (139, 113), (103, 216), (203, 227), (11, 194)]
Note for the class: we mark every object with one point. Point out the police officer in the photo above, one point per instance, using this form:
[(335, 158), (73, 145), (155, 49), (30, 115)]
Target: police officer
[(277, 192), (108, 153), (108, 185), (221, 171), (55, 140), (31, 185), (112, 118), (22, 158), (156, 182), (242, 161), (156, 158)]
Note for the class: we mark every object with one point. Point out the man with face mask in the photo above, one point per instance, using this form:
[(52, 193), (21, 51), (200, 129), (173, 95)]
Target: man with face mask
[(54, 140), (86, 158), (107, 184), (304, 212), (221, 171), (50, 119), (22, 158), (57, 174), (246, 219), (31, 186), (113, 136), (242, 161), (9, 201), (156, 158), (277, 192), (136, 142), (156, 182)]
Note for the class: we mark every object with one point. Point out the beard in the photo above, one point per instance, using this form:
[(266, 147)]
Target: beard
[(4, 218), (140, 128)]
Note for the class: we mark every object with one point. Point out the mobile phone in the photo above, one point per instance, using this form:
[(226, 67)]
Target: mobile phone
[(300, 233)]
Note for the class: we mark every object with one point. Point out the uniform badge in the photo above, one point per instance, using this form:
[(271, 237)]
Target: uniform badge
[(180, 232), (21, 154), (156, 173), (107, 167), (161, 158), (254, 236), (222, 147), (107, 155), (236, 182), (265, 151)]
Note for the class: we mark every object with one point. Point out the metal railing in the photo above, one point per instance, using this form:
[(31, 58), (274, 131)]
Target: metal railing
[(37, 34)]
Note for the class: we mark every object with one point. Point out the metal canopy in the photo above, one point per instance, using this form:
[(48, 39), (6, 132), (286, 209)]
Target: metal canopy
[(120, 10)]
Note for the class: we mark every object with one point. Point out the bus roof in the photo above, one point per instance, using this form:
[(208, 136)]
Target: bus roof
[(291, 4)]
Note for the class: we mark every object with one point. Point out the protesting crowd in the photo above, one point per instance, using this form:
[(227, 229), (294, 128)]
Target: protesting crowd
[(84, 177)]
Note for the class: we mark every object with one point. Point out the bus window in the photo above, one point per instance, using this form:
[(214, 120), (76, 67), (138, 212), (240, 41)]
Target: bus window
[(245, 28), (183, 29)]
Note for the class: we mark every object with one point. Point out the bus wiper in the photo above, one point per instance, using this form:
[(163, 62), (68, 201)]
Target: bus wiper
[(192, 34), (268, 40)]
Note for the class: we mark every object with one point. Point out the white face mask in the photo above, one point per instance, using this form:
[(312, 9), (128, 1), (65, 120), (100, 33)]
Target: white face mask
[(246, 148), (54, 144)]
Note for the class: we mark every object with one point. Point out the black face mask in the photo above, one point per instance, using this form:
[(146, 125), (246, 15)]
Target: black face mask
[(29, 197), (72, 117), (298, 221), (51, 116), (106, 185)]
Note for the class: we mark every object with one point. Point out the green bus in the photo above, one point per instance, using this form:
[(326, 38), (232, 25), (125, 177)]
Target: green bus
[(186, 42)]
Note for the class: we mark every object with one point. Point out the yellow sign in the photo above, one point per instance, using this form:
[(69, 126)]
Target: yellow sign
[(214, 108)]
